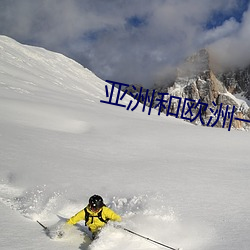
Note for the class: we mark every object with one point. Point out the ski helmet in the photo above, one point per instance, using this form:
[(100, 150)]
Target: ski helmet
[(95, 202)]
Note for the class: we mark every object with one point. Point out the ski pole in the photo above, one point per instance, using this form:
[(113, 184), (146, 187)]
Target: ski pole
[(146, 238), (45, 228)]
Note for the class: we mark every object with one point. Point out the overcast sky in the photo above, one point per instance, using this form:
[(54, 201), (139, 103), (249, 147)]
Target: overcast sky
[(131, 41)]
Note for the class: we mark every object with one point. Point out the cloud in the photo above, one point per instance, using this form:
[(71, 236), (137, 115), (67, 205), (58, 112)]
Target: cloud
[(228, 28), (233, 49), (129, 41)]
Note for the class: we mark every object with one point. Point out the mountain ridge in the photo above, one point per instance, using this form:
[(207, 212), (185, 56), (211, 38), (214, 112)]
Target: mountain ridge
[(198, 79)]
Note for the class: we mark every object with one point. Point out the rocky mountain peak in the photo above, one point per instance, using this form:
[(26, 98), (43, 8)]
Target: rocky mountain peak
[(237, 81), (196, 80), (197, 64)]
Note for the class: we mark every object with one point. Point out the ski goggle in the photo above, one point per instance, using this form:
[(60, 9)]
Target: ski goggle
[(94, 208)]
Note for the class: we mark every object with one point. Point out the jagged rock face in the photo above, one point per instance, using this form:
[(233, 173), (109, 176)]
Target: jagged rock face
[(195, 65), (196, 75), (197, 81), (237, 81)]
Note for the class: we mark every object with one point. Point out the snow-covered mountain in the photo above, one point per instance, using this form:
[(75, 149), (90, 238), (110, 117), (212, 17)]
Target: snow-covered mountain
[(237, 81), (183, 185), (199, 80)]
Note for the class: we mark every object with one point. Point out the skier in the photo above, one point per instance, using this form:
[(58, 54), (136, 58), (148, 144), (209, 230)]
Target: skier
[(95, 214)]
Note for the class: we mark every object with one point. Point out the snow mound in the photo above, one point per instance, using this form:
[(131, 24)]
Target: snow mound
[(42, 116)]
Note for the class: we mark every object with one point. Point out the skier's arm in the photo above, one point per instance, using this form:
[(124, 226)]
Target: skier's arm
[(77, 217), (110, 214)]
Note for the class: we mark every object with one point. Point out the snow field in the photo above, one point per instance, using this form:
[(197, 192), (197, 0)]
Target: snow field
[(179, 184)]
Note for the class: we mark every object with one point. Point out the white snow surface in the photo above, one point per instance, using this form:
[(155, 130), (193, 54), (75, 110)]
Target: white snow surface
[(182, 185)]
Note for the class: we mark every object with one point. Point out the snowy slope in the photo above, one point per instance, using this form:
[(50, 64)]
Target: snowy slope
[(176, 183)]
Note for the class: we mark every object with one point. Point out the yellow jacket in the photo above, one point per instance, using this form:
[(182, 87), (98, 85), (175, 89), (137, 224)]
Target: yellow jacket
[(94, 223)]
